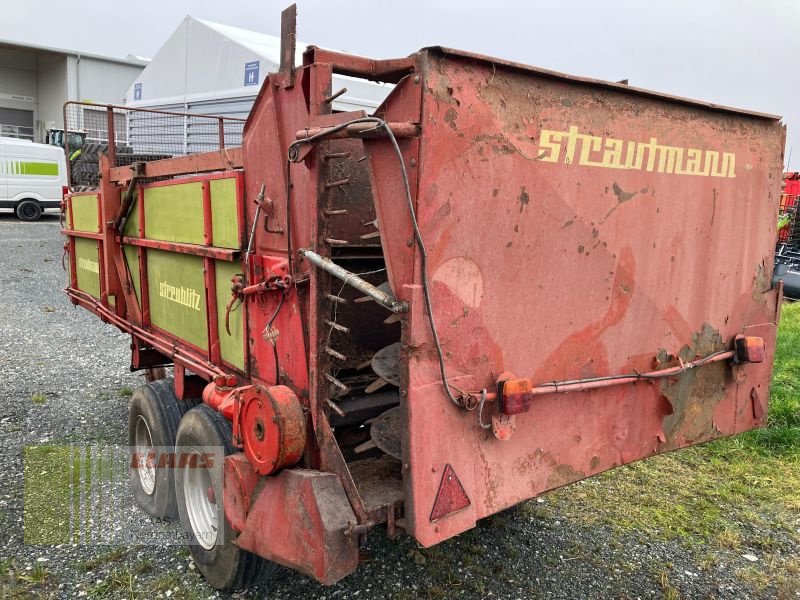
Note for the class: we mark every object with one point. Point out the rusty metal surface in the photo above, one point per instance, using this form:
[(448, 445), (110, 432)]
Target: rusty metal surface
[(574, 230), (597, 83), (240, 483), (348, 211), (225, 159), (386, 363), (273, 427), (552, 257), (299, 520), (386, 431), (389, 70)]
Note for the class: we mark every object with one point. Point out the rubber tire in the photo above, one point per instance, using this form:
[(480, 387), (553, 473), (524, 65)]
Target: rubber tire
[(225, 566), (31, 206), (162, 411)]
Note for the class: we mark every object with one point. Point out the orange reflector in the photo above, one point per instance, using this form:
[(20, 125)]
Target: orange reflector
[(516, 396), (749, 349)]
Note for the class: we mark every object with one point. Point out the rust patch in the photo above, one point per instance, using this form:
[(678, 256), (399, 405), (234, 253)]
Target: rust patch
[(761, 283), (444, 210), (524, 466), (562, 475), (695, 394), (524, 198), (714, 206), (622, 198), (622, 195), (450, 118)]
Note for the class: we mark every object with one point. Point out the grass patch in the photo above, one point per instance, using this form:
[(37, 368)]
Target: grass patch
[(126, 391), (39, 398), (37, 575), (113, 555), (670, 591), (125, 582), (732, 493), (120, 583), (16, 584)]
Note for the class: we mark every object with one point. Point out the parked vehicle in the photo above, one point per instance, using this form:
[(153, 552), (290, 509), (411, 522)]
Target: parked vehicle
[(504, 281), (787, 251), (33, 177)]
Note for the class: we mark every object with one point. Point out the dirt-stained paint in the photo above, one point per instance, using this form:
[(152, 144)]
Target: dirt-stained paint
[(562, 475), (524, 199), (450, 118), (695, 394), (761, 282)]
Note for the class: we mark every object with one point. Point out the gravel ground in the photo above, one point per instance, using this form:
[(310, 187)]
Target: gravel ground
[(81, 366)]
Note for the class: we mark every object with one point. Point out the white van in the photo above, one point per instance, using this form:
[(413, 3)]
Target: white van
[(33, 177)]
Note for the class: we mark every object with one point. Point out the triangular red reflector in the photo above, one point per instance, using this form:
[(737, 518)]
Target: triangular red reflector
[(451, 496)]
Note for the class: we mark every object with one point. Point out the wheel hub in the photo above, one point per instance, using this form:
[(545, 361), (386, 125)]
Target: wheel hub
[(201, 505), (144, 450)]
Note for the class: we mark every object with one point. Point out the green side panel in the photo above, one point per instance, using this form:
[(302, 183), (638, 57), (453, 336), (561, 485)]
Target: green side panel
[(174, 213), (37, 168), (132, 258), (177, 295), (231, 346), (224, 216), (87, 262), (84, 213)]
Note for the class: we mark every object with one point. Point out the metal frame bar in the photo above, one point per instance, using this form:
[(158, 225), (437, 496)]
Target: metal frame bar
[(226, 159), (205, 251)]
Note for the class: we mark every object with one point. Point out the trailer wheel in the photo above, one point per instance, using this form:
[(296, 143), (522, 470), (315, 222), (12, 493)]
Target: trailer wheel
[(153, 420), (211, 538), (29, 210)]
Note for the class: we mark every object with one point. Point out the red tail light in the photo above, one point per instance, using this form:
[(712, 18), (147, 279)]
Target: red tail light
[(64, 191)]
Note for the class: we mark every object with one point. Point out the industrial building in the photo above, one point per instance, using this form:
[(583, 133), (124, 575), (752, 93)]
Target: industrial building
[(210, 68), (35, 81)]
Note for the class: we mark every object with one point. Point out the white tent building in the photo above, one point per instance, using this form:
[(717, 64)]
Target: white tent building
[(213, 69)]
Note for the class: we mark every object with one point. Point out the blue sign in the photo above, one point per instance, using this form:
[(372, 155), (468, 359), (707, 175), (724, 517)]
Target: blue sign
[(137, 91), (251, 73)]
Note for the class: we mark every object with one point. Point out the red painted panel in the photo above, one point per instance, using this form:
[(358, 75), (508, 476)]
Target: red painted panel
[(551, 259)]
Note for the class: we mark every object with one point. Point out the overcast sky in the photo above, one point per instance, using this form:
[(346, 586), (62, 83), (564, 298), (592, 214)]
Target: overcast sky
[(743, 53)]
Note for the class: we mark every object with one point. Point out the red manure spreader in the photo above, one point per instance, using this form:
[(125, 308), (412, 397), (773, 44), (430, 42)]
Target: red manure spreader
[(501, 282)]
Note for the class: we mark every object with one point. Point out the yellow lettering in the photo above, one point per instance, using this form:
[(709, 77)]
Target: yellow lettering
[(551, 144), (612, 157), (596, 151)]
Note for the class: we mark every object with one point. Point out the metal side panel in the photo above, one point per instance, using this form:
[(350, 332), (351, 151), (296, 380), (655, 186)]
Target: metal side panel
[(575, 231), (87, 266), (177, 295), (231, 345), (224, 213), (83, 213), (300, 519), (174, 213)]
